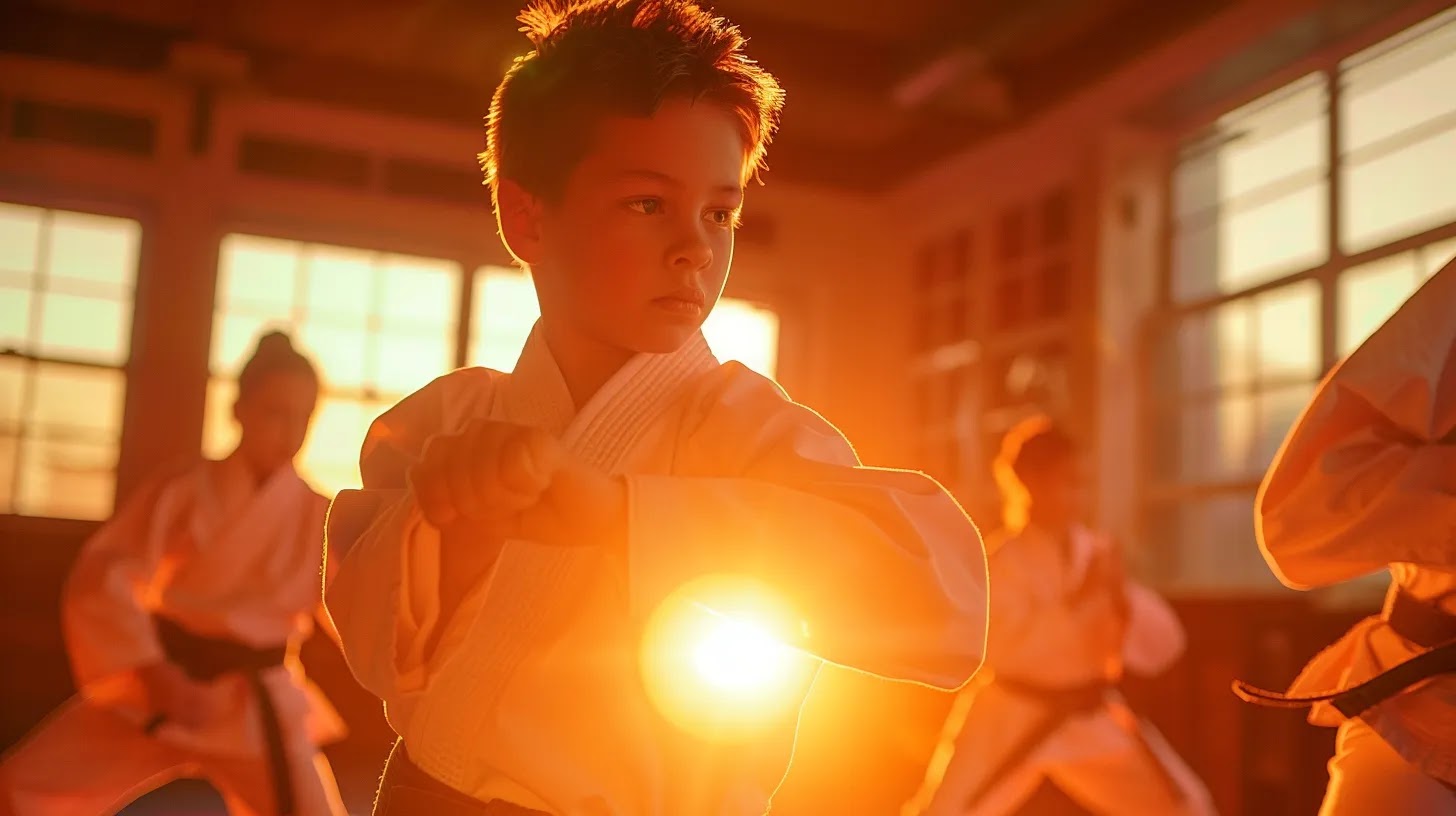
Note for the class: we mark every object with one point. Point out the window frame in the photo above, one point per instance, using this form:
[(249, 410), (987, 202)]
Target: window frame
[(90, 203), (1158, 494), (350, 240)]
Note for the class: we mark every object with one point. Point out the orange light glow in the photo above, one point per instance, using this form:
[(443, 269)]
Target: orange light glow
[(716, 660), (739, 656)]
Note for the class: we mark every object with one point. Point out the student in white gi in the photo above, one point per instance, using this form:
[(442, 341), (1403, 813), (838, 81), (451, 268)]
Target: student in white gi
[(181, 615), (1044, 724), (517, 530), (1366, 481)]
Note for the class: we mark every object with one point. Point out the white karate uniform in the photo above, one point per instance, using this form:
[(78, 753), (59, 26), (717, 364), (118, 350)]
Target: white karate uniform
[(223, 559), (1367, 480), (1038, 635), (532, 693)]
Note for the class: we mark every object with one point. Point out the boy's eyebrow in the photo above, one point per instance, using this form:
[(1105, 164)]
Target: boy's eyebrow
[(653, 175)]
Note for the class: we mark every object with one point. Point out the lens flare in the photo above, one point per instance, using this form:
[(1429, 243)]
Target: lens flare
[(717, 663)]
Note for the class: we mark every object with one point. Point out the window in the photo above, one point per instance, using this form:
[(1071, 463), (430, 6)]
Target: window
[(505, 309), (1254, 262), (66, 284), (944, 267), (1250, 195), (378, 325)]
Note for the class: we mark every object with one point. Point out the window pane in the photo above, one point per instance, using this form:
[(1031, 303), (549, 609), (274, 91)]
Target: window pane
[(1287, 324), (341, 285), (12, 391), (420, 292), (258, 276), (68, 453), (219, 429), (1283, 236), (1213, 349), (1369, 294), (76, 401), (1399, 85), (738, 330), (502, 314), (95, 250), (330, 457), (372, 322), (1251, 245), (14, 319), (1288, 143), (62, 478), (1214, 542), (19, 239), (408, 361), (1216, 439), (84, 328), (1278, 408), (339, 353), (1250, 197), (1399, 193)]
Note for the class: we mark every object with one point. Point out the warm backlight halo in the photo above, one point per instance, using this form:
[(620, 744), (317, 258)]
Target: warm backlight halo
[(716, 660)]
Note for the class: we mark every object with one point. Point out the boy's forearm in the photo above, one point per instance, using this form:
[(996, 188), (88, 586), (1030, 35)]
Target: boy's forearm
[(890, 581)]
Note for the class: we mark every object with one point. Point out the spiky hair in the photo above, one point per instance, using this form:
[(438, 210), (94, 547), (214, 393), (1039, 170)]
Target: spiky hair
[(595, 58)]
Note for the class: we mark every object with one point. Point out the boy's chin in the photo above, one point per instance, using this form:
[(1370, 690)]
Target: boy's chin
[(661, 339)]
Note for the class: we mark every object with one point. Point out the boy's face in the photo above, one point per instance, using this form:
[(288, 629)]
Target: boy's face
[(636, 252)]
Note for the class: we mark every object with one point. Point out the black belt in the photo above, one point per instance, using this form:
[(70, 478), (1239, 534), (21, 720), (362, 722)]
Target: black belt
[(206, 658), (1058, 704), (1419, 622), (406, 790)]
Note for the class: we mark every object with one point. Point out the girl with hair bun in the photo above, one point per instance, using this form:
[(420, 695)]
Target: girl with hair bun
[(183, 616)]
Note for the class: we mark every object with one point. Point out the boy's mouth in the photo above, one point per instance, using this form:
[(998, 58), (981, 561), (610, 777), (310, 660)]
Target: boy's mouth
[(684, 302)]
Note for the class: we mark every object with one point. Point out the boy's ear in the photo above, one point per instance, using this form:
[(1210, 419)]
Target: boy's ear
[(519, 214)]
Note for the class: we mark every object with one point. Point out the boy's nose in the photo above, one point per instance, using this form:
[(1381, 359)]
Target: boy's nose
[(692, 251)]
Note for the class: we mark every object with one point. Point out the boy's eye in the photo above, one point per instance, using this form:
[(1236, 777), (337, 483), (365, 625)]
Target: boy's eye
[(646, 206), (724, 218)]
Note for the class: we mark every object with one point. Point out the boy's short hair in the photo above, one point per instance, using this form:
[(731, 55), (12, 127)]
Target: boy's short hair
[(595, 58)]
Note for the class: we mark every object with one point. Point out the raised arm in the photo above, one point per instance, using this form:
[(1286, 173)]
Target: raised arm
[(884, 569), (1367, 477)]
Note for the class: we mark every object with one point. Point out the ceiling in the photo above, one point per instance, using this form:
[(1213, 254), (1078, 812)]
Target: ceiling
[(877, 89)]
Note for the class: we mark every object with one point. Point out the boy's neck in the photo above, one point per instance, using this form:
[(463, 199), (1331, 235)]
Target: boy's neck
[(585, 363)]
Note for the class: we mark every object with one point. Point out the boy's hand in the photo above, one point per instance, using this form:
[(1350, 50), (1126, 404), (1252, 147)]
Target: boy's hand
[(484, 475), (581, 507), (510, 481)]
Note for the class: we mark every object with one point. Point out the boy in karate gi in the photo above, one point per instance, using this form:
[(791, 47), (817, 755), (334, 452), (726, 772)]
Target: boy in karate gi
[(1365, 481), (1043, 729), (183, 615), (515, 531)]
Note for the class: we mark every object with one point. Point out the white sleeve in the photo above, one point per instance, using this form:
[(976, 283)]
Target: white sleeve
[(1367, 476)]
